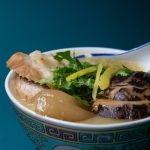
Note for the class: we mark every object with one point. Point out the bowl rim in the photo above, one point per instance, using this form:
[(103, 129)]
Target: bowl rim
[(67, 124)]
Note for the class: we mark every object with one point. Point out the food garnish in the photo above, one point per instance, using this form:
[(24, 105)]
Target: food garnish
[(108, 89), (105, 78), (95, 86), (83, 80), (81, 73), (124, 72)]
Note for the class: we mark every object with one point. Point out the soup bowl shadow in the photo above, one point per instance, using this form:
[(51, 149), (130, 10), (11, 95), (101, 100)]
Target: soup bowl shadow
[(53, 134)]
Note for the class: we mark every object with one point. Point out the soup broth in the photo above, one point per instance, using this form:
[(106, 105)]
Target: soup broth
[(92, 118)]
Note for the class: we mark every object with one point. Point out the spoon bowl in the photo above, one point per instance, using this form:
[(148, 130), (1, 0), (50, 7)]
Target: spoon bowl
[(139, 55)]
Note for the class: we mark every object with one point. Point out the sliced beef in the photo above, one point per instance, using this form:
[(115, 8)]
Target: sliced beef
[(127, 97)]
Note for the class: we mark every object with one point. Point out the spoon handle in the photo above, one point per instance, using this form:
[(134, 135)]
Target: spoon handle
[(141, 47)]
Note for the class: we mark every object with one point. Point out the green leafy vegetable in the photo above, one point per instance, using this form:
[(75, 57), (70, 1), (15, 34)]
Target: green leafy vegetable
[(73, 62), (80, 88), (63, 55), (124, 72)]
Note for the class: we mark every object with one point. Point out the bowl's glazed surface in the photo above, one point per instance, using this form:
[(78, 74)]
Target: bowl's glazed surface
[(52, 134)]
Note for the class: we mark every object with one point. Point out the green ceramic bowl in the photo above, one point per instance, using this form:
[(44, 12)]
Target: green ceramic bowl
[(53, 134)]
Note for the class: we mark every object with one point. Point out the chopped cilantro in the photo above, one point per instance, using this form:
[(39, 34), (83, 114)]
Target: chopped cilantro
[(124, 72), (82, 86)]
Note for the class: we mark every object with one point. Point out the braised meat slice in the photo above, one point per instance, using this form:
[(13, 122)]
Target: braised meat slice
[(127, 97), (133, 88), (25, 89), (122, 109)]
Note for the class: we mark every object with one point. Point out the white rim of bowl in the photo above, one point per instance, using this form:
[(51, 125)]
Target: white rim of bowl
[(67, 124)]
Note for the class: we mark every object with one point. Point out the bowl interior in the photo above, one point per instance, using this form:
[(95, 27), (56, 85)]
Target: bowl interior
[(79, 51)]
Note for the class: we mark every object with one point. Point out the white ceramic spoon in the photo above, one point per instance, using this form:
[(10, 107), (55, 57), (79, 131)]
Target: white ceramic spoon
[(139, 55)]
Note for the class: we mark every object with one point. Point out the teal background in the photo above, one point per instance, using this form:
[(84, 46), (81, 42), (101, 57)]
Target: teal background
[(26, 25)]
